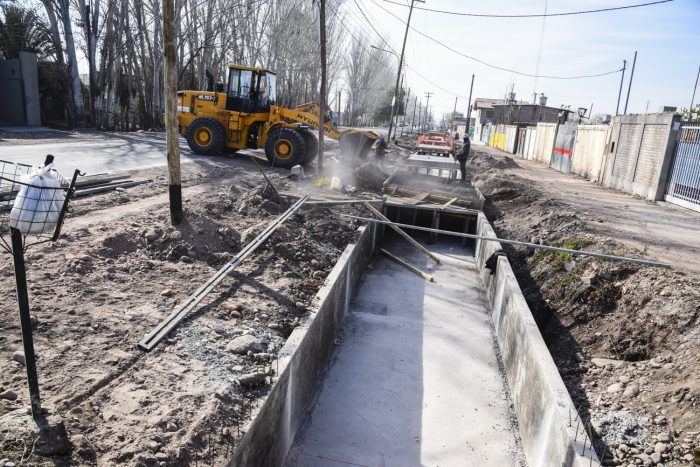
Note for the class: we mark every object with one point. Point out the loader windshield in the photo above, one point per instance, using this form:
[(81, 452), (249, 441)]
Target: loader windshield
[(251, 91)]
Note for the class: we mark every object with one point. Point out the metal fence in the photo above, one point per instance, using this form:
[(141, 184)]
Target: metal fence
[(683, 186)]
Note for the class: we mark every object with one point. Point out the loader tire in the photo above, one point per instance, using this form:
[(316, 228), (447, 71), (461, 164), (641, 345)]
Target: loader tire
[(311, 145), (206, 136), (285, 148)]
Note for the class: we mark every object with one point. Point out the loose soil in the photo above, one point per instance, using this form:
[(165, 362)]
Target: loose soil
[(120, 268), (625, 337)]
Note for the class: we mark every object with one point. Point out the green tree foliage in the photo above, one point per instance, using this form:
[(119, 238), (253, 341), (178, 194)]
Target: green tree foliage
[(22, 30)]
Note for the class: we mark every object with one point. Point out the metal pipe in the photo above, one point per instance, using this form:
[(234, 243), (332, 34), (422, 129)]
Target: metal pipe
[(25, 321), (629, 89), (514, 242), (173, 319)]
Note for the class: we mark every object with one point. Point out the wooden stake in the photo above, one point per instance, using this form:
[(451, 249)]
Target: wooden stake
[(403, 263), (171, 134), (398, 230)]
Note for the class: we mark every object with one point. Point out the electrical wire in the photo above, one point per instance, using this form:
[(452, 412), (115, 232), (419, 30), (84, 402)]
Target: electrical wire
[(394, 51), (568, 13), (496, 66)]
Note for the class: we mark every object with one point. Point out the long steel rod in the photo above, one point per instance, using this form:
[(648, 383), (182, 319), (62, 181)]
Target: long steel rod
[(174, 318), (514, 242)]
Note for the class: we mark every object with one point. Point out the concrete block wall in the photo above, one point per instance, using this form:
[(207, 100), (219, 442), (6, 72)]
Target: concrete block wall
[(640, 154), (302, 362), (548, 423)]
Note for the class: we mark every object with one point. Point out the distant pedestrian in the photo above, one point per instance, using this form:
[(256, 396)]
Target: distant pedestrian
[(462, 157)]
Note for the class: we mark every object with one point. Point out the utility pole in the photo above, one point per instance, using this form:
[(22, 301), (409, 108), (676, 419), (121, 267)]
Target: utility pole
[(619, 94), (692, 99), (469, 104), (413, 120), (629, 89), (322, 97), (454, 111), (405, 108), (171, 134), (398, 108), (420, 115), (338, 108), (398, 73), (427, 94)]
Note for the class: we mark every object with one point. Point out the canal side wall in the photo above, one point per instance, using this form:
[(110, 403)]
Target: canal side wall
[(303, 361), (551, 432)]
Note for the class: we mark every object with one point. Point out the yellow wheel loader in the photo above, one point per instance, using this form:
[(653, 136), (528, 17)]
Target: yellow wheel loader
[(244, 114)]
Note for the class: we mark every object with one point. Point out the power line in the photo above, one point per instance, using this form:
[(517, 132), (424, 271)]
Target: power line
[(392, 49), (496, 66), (568, 13)]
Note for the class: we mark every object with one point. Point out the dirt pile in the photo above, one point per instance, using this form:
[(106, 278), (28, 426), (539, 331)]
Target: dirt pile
[(118, 270), (624, 336)]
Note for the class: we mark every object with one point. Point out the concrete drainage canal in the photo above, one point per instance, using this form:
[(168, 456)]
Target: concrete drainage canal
[(420, 353)]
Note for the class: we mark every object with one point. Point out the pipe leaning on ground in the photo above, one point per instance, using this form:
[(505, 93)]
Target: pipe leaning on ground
[(515, 242)]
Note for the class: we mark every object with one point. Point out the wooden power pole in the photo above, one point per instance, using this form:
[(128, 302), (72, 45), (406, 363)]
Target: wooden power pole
[(171, 135), (322, 96)]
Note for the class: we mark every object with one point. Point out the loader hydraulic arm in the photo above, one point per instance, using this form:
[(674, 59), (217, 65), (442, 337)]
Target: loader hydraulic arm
[(308, 114)]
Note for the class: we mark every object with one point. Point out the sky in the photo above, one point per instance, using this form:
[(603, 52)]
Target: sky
[(666, 37)]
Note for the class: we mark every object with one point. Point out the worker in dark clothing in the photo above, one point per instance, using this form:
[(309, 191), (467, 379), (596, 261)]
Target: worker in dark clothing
[(380, 150), (462, 157)]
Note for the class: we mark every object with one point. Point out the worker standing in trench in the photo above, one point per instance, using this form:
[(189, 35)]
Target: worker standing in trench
[(463, 156)]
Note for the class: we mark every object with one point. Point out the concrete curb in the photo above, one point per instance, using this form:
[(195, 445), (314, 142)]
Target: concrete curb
[(552, 433), (302, 362)]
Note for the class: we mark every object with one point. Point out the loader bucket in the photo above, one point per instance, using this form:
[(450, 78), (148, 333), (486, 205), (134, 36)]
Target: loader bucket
[(356, 144)]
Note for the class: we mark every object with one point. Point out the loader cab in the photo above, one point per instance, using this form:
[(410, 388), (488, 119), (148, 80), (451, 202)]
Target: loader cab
[(250, 90)]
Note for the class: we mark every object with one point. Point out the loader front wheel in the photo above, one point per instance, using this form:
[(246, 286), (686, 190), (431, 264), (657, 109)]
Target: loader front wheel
[(206, 136), (285, 148), (311, 145)]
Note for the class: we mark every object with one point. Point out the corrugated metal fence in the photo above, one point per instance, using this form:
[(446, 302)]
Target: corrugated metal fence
[(683, 186), (563, 147)]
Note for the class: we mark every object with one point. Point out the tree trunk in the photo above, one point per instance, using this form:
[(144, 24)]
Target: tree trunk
[(157, 59), (73, 61)]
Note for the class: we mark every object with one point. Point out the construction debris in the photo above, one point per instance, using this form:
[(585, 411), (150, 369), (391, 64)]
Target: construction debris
[(166, 326)]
